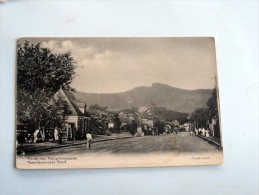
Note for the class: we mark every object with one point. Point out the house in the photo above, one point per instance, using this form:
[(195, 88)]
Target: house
[(77, 121), (19, 126), (186, 126), (214, 128), (21, 132)]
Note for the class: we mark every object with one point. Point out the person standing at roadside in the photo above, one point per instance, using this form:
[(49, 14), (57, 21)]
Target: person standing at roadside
[(196, 131), (203, 131), (55, 134), (35, 135), (60, 136), (88, 140), (199, 131)]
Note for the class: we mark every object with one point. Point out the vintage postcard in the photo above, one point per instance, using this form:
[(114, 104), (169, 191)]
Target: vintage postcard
[(101, 102)]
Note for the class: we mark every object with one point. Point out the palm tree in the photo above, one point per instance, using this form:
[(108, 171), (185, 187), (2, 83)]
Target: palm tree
[(142, 113)]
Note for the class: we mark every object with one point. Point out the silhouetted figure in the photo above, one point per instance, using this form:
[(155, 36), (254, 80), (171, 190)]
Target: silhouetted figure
[(60, 136)]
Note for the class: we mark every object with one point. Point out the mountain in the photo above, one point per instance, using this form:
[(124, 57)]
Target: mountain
[(158, 95)]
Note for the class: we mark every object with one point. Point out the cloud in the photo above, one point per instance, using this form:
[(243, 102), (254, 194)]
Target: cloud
[(115, 66), (50, 44), (79, 53), (67, 45)]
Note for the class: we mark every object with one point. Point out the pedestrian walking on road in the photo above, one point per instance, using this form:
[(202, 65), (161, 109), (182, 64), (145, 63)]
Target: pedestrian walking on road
[(88, 140)]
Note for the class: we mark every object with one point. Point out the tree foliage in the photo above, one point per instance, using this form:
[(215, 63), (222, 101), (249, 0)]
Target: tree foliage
[(159, 125), (202, 115), (38, 68), (42, 112), (98, 119), (143, 113), (212, 105), (40, 73), (117, 122)]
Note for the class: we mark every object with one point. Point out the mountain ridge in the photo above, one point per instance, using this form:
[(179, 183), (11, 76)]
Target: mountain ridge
[(156, 95)]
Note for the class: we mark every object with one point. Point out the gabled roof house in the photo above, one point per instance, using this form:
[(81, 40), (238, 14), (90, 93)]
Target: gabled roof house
[(77, 122)]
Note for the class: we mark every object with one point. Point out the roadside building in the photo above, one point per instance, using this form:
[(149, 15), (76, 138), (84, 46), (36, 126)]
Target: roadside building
[(21, 132), (186, 126), (77, 122), (214, 129)]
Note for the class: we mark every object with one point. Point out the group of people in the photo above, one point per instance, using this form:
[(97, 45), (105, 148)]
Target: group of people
[(38, 135), (202, 131), (58, 136)]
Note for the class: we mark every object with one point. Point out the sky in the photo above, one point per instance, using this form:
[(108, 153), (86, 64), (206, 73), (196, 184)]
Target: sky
[(110, 65)]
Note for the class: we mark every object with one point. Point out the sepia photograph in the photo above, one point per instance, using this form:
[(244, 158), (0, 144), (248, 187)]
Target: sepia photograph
[(110, 102)]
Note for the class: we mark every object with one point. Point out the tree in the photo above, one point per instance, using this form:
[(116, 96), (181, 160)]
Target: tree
[(159, 125), (98, 119), (39, 68), (143, 113), (212, 105), (201, 116), (117, 122), (40, 74)]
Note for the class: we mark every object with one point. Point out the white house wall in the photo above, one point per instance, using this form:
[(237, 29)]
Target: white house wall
[(73, 119)]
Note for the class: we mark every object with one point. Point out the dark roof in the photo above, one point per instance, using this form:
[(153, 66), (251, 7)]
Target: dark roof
[(75, 103), (72, 100), (81, 104), (70, 96), (76, 108)]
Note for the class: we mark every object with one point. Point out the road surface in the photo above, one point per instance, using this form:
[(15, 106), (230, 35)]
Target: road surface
[(182, 142)]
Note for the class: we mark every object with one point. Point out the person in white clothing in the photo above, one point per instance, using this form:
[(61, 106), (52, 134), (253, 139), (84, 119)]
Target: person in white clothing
[(35, 135), (88, 140), (203, 131), (56, 134), (199, 131), (196, 131), (207, 134)]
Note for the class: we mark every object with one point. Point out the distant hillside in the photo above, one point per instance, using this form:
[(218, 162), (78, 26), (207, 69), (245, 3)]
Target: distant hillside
[(167, 115), (158, 95)]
